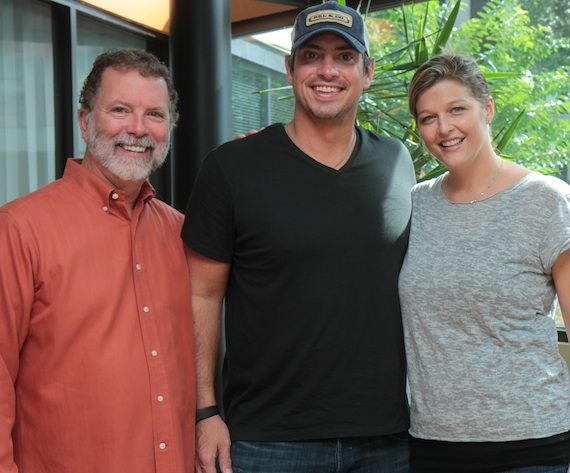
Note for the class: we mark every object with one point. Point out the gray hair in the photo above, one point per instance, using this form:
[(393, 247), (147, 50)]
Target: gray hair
[(145, 63)]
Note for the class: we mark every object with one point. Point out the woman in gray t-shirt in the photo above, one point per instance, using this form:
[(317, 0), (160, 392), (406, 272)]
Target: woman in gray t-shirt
[(489, 252)]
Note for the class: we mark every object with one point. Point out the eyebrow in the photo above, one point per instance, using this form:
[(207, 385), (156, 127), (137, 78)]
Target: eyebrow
[(453, 102), (122, 103)]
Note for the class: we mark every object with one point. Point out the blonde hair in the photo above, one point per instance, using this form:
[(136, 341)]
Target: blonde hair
[(461, 68)]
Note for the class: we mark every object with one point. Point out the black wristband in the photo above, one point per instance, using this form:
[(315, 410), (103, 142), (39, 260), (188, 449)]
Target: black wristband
[(206, 412)]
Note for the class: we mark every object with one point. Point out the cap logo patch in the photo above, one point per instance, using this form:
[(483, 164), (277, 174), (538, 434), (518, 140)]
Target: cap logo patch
[(329, 16)]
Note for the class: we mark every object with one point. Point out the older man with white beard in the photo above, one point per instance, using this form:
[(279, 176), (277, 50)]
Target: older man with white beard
[(96, 336)]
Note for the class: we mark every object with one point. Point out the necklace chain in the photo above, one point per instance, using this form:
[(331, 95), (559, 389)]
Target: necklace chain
[(346, 154), (348, 151), (486, 189)]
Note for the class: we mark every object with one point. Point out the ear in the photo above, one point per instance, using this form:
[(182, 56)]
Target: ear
[(82, 119), (288, 68), (369, 74), (490, 110)]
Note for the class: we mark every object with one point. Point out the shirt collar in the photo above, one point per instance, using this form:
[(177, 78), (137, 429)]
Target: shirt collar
[(98, 189)]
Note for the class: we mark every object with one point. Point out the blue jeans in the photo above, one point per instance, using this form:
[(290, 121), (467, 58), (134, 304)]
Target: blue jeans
[(540, 469), (385, 454)]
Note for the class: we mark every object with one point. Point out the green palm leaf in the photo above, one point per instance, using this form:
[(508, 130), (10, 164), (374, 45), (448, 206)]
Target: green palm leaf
[(509, 132), (446, 30)]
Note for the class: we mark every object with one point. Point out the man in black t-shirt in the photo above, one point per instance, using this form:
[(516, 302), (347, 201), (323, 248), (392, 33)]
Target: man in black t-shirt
[(302, 229)]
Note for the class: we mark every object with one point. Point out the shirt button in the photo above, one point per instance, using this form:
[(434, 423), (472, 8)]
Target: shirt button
[(105, 208), (146, 309), (115, 196), (160, 398), (162, 445), (154, 353), (138, 266)]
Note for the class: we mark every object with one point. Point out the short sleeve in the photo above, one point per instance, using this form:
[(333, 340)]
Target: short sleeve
[(208, 223), (557, 232)]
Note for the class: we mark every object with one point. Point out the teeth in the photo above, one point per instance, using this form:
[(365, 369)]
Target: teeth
[(452, 142), (326, 89), (134, 148)]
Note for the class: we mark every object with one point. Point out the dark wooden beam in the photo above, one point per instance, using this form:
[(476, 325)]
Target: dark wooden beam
[(253, 24), (372, 5)]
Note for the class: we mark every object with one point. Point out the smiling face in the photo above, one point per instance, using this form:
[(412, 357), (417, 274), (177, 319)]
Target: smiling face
[(328, 78), (127, 132), (453, 123)]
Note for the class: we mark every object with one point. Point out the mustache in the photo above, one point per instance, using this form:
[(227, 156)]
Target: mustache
[(131, 140)]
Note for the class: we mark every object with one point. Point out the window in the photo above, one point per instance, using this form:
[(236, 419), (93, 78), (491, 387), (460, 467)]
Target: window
[(27, 136), (257, 66)]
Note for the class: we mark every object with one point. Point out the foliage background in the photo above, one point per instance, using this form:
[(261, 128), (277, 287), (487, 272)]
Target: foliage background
[(523, 47)]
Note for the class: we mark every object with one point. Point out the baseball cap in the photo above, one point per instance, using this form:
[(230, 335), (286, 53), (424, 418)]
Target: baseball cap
[(334, 17)]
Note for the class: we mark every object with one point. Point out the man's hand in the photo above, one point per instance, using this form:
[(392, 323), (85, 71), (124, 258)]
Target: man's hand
[(212, 441), (247, 133)]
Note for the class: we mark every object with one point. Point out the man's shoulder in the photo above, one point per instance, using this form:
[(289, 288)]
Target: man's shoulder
[(36, 201), (165, 211), (388, 152), (262, 138), (34, 213), (242, 156), (372, 138)]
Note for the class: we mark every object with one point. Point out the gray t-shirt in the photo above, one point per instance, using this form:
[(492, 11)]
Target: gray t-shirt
[(477, 302)]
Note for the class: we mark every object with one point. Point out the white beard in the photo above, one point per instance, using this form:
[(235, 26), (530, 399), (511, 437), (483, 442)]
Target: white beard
[(124, 167)]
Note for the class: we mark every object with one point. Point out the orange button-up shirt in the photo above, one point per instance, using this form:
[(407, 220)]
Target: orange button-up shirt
[(96, 336)]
